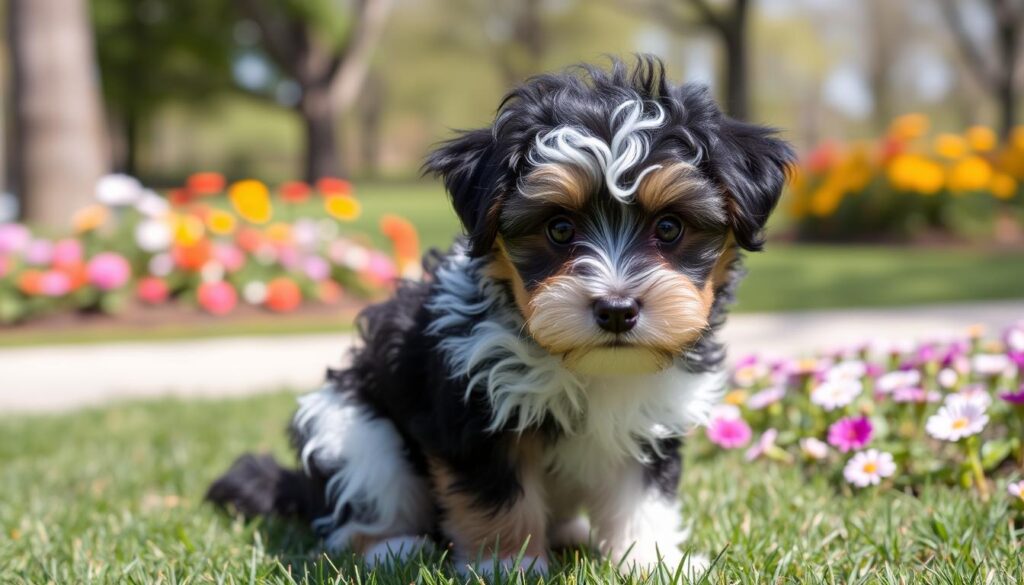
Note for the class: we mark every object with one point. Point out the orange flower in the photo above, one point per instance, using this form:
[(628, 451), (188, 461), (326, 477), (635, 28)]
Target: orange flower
[(220, 222), (972, 173), (249, 239), (283, 295), (981, 139), (329, 292), (30, 282), (825, 201), (294, 191), (950, 146), (251, 200), (280, 233), (342, 207), (909, 126), (916, 173), (403, 236), (333, 186), (205, 183), (192, 256), (1003, 186), (89, 218)]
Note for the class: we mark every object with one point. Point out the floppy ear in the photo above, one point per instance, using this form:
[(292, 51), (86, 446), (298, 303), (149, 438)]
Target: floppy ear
[(752, 165), (472, 174)]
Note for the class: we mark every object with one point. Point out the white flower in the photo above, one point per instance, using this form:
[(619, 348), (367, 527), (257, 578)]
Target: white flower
[(153, 235), (833, 394), (212, 271), (813, 448), (161, 265), (948, 378), (152, 205), (356, 258), (847, 370), (725, 412), (1016, 490), (957, 419), (869, 467), (990, 364), (974, 393), (118, 190), (898, 379), (1014, 338), (254, 292)]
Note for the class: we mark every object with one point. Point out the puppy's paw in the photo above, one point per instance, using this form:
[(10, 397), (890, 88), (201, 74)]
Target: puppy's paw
[(396, 549), (571, 533), (506, 565)]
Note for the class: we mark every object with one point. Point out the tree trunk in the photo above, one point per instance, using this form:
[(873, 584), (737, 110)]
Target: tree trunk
[(737, 99), (59, 129), (317, 111), (1008, 45)]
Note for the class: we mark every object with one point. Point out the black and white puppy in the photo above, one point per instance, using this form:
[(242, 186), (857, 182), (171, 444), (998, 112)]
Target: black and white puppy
[(535, 386)]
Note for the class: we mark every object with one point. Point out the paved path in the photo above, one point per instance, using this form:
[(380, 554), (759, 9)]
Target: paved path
[(56, 378)]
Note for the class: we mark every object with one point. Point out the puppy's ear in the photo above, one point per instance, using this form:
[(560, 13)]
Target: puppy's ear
[(472, 175), (752, 165)]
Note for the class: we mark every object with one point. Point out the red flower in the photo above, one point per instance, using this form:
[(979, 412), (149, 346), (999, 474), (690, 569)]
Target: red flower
[(295, 191), (193, 256), (179, 197), (283, 295), (152, 290), (333, 186), (217, 298), (205, 183)]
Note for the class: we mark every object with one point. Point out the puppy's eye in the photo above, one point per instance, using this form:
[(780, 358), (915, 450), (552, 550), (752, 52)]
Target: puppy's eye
[(668, 229), (561, 230)]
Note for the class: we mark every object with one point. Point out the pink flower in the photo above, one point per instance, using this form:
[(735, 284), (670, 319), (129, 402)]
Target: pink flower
[(152, 290), (67, 252), (380, 270), (915, 395), (108, 271), (231, 257), (1016, 398), (217, 297), (849, 434), (729, 433), (766, 398), (765, 444), (39, 253), (316, 268), (5, 265), (54, 283), (13, 237)]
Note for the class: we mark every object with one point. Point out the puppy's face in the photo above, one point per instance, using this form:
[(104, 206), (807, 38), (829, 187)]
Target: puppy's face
[(612, 226)]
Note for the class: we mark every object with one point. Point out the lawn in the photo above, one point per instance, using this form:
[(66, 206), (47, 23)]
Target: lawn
[(115, 495)]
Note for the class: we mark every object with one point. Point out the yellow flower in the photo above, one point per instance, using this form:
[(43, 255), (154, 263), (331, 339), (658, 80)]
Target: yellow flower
[(1017, 138), (342, 207), (950, 146), (89, 218), (973, 173), (279, 233), (825, 201), (1003, 186), (188, 230), (915, 173), (221, 222), (981, 138), (736, 397), (251, 200), (909, 126)]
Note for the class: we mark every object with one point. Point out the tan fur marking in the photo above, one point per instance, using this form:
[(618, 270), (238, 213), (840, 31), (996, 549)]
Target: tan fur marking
[(720, 273), (669, 184), (501, 268), (501, 531), (558, 184)]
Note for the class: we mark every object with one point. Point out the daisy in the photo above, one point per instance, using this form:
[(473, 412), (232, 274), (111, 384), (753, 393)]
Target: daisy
[(766, 398), (898, 379), (764, 444), (990, 364), (833, 394), (869, 467), (849, 434), (1016, 490), (847, 370), (916, 395), (947, 378), (813, 449), (957, 419), (975, 393)]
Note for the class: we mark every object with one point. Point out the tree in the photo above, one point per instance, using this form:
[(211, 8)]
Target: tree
[(994, 66), (327, 53), (728, 21), (152, 53), (59, 137)]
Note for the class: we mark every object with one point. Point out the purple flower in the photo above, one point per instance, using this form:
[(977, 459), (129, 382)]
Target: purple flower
[(766, 398), (850, 434), (1016, 398)]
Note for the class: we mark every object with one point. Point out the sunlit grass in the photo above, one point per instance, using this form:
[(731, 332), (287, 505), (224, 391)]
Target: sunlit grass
[(115, 495)]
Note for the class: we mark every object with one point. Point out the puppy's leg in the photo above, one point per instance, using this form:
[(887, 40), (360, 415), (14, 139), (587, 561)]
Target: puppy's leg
[(637, 522), (495, 531)]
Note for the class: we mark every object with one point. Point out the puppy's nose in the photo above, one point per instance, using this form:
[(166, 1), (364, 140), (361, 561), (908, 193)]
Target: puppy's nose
[(616, 314)]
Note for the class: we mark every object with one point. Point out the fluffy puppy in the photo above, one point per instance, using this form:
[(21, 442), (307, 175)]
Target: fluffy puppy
[(533, 389)]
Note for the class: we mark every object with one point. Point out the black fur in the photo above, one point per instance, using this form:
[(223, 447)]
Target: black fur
[(256, 485)]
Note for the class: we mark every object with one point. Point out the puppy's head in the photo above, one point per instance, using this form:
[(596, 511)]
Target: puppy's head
[(613, 203)]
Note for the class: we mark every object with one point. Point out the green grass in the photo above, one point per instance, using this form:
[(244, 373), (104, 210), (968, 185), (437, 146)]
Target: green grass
[(115, 495)]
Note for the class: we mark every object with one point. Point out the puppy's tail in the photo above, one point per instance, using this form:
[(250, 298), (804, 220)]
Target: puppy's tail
[(257, 485)]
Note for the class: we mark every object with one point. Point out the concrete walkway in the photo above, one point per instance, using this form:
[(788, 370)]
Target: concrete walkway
[(57, 378)]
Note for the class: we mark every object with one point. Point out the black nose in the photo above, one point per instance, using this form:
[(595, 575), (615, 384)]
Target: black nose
[(616, 314)]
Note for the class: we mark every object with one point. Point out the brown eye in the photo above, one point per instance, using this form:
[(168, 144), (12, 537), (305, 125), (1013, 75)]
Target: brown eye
[(668, 229), (561, 230)]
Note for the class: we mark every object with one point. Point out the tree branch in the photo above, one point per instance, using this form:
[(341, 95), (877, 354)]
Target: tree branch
[(976, 61), (347, 71), (283, 44), (709, 16)]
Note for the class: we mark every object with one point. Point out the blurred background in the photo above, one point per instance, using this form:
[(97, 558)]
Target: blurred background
[(203, 167)]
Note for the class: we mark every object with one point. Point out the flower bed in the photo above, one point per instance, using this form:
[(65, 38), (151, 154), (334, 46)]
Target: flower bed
[(908, 182), (208, 244), (900, 415)]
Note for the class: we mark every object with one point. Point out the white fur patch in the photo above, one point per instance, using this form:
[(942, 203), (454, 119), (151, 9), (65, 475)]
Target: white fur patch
[(365, 455), (605, 418), (608, 161)]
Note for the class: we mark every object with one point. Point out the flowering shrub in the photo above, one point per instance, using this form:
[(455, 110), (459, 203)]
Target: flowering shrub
[(209, 244), (894, 414), (906, 182)]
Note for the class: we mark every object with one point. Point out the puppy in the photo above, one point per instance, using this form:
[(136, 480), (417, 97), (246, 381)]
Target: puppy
[(532, 391)]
